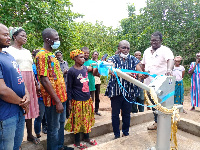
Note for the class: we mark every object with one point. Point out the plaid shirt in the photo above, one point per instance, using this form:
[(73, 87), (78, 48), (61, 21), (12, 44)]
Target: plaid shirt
[(113, 88)]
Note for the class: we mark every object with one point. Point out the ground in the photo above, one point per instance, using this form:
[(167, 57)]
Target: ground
[(192, 115)]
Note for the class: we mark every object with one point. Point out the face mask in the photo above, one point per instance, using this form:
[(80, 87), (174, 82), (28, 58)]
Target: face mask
[(55, 45), (123, 55)]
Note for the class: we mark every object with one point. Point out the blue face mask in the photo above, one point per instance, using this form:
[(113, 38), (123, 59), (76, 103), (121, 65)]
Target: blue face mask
[(55, 45)]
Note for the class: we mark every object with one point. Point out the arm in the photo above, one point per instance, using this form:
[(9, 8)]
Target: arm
[(191, 71), (26, 101), (69, 88), (49, 89), (170, 66), (8, 95), (183, 73)]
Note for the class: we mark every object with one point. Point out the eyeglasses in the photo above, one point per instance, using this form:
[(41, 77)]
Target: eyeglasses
[(124, 47)]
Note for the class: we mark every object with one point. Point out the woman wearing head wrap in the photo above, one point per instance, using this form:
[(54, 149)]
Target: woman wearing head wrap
[(82, 114), (178, 72), (24, 59), (194, 70)]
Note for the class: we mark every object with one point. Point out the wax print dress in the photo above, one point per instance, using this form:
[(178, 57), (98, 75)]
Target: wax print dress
[(24, 59), (195, 85), (82, 114), (179, 89)]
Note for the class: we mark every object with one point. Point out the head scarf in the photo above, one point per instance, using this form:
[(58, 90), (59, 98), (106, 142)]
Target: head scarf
[(178, 58), (13, 30), (75, 53)]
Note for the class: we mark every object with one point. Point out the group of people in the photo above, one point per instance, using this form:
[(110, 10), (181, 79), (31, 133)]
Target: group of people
[(47, 89)]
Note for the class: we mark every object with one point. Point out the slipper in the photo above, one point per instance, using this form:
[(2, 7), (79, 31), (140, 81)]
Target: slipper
[(81, 146), (97, 113), (35, 140), (91, 142)]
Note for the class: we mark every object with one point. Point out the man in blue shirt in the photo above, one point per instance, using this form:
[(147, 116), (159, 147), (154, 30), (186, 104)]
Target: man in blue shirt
[(14, 98)]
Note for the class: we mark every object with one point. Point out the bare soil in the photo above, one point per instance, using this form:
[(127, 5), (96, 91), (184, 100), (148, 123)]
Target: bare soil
[(194, 115)]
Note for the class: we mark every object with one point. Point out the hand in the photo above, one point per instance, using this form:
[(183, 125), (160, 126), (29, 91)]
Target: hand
[(89, 68), (65, 71), (70, 105), (169, 73), (59, 107), (25, 103)]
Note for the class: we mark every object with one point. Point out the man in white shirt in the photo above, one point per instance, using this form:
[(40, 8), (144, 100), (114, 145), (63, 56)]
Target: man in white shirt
[(159, 60)]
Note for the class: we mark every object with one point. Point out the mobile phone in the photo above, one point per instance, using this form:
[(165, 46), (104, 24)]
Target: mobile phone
[(104, 57)]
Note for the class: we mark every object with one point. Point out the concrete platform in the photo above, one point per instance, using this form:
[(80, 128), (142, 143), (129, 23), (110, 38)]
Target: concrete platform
[(140, 138)]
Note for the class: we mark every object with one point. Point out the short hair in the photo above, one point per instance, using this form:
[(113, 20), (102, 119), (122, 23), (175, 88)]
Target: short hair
[(46, 33), (17, 32), (137, 52), (123, 41), (56, 52), (84, 48), (157, 33), (34, 52), (95, 52)]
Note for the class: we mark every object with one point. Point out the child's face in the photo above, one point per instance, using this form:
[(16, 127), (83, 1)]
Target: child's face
[(177, 62), (86, 53), (80, 59), (138, 55)]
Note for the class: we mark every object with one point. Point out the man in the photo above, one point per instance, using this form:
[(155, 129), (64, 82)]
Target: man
[(157, 59), (53, 89), (122, 60), (91, 71), (64, 67), (14, 98), (95, 56), (140, 98)]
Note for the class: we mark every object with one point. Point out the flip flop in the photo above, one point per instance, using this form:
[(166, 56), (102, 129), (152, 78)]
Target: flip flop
[(35, 140), (92, 142), (81, 146)]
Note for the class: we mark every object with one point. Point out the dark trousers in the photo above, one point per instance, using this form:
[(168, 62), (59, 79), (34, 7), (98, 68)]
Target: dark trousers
[(153, 109), (117, 103), (139, 99), (97, 100)]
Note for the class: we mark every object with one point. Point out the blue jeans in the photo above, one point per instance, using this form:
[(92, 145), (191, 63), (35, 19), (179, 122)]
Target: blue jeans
[(117, 103), (12, 132), (55, 130), (38, 120)]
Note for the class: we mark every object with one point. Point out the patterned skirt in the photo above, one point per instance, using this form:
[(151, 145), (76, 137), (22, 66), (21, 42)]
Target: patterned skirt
[(81, 118), (179, 91)]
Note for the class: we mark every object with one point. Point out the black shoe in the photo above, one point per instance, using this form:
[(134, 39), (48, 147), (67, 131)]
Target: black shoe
[(66, 148), (116, 137), (44, 130), (97, 113)]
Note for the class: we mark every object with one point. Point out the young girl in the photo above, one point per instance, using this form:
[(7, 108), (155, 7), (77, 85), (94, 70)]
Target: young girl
[(195, 81), (179, 72), (82, 114)]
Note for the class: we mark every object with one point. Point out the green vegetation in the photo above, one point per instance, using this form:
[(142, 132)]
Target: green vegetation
[(177, 20)]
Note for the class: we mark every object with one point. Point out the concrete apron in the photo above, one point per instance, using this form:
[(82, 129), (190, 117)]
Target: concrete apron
[(105, 127)]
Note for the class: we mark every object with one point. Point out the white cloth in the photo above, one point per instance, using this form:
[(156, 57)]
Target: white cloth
[(156, 63), (177, 72), (97, 80), (23, 58)]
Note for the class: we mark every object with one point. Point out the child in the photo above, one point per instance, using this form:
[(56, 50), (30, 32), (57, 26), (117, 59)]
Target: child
[(81, 105), (179, 72)]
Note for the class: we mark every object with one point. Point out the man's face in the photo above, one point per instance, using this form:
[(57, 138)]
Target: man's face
[(124, 48), (59, 57), (4, 36), (138, 55), (86, 54), (53, 38), (95, 56), (155, 42)]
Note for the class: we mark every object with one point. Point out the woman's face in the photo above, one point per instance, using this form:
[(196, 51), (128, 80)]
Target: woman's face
[(21, 38), (80, 59)]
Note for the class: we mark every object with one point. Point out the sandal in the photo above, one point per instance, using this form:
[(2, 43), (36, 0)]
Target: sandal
[(35, 140), (91, 142), (81, 146), (97, 113)]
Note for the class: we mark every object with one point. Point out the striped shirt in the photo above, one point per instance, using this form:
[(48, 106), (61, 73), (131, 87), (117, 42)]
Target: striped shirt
[(113, 88)]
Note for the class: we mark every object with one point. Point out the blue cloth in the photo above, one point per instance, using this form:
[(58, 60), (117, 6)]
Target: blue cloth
[(55, 130), (117, 103), (12, 132), (10, 73), (179, 91), (38, 120), (113, 88), (78, 84)]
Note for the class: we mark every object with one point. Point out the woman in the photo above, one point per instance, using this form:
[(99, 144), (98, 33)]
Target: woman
[(24, 59), (195, 82)]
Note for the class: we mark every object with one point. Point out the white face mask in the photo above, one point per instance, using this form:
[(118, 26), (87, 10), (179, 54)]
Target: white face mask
[(123, 55)]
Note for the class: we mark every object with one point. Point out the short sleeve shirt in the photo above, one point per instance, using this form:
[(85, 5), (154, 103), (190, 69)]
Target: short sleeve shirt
[(90, 75), (10, 73), (113, 88), (47, 65), (177, 72), (156, 63)]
